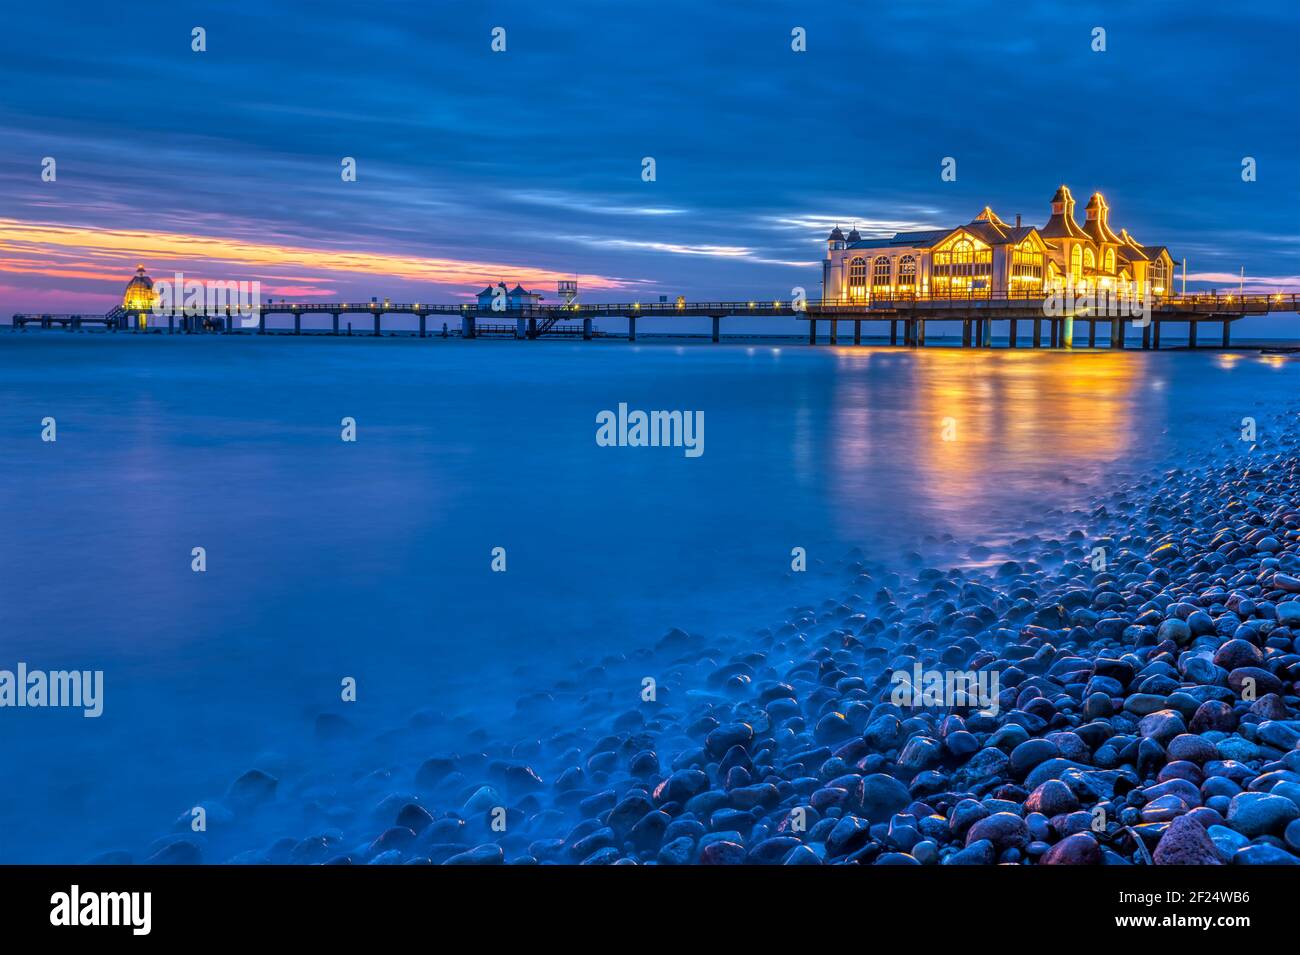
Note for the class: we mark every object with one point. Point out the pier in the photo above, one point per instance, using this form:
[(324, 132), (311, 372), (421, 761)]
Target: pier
[(1031, 321)]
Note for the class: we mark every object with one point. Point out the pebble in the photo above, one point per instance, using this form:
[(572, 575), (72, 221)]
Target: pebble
[(1161, 689)]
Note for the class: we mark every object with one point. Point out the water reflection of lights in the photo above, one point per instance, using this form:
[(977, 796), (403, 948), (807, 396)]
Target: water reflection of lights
[(1024, 422)]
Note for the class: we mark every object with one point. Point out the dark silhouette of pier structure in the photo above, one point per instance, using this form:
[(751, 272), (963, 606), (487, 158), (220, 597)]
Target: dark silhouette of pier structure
[(1030, 321)]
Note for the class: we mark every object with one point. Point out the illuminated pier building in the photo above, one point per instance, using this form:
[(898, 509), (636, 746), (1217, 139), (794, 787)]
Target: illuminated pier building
[(990, 258)]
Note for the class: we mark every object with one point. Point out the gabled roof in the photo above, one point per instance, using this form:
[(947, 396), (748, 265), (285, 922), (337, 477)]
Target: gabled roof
[(1062, 225), (1098, 226), (1129, 249), (918, 239), (988, 232), (999, 234), (519, 290), (989, 216)]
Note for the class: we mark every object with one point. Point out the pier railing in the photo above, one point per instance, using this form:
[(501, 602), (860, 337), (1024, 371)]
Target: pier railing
[(881, 304)]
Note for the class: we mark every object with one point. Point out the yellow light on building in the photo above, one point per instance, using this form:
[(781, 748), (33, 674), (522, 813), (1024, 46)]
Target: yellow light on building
[(139, 295)]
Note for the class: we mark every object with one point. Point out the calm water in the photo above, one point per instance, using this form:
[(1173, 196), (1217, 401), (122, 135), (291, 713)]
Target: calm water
[(372, 560)]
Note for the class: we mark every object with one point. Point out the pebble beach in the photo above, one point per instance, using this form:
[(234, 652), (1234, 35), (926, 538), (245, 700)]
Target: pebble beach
[(1147, 712)]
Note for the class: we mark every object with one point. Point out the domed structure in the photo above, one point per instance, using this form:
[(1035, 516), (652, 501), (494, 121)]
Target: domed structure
[(139, 295)]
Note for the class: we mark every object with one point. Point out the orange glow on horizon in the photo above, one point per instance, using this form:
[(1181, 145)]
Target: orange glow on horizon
[(110, 255)]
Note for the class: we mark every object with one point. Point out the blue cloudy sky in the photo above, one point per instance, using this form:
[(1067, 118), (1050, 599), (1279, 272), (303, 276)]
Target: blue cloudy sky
[(526, 165)]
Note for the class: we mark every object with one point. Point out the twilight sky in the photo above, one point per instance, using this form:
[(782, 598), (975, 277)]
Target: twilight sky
[(526, 165)]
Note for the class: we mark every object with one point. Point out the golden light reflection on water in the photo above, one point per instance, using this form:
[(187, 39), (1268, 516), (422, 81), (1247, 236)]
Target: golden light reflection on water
[(951, 430)]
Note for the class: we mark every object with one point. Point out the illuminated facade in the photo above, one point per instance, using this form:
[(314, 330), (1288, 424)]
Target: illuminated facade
[(139, 297), (988, 257)]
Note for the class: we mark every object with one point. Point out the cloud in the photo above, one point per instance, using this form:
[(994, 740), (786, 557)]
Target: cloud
[(62, 251)]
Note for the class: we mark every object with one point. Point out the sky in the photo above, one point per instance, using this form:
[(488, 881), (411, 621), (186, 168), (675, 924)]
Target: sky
[(526, 165)]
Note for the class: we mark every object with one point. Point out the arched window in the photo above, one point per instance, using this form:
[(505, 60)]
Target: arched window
[(907, 275), (963, 270), (1026, 268), (1089, 259), (880, 272), (1159, 276), (1076, 265), (1110, 260), (858, 278)]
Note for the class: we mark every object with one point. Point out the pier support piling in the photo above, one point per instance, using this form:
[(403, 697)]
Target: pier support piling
[(920, 333), (1227, 334), (1038, 333), (631, 328), (812, 331), (1117, 333), (422, 318), (532, 329), (1191, 333), (893, 331), (467, 326), (965, 333), (586, 329), (1146, 336), (835, 331), (297, 323), (1155, 335), (717, 328), (857, 331), (1067, 331), (377, 317), (1092, 333), (261, 323)]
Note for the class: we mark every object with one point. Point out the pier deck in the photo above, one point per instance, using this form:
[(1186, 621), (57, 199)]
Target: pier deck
[(907, 318)]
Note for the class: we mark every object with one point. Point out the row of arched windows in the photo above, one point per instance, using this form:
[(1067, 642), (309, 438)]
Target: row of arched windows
[(962, 265), (881, 275)]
